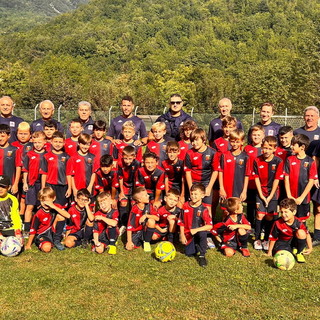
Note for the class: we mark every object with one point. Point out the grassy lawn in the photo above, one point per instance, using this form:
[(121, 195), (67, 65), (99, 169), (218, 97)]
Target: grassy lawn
[(79, 284)]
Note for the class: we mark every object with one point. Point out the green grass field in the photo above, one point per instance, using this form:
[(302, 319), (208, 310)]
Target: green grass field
[(79, 284)]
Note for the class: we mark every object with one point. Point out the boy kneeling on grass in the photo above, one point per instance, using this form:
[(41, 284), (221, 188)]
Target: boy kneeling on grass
[(289, 233), (232, 233)]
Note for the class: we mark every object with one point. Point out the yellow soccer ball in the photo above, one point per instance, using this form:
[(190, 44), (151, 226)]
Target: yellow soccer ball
[(284, 260), (165, 251)]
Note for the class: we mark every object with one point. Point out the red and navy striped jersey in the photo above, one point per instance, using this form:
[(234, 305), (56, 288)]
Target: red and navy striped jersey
[(10, 158), (201, 164), (234, 169), (104, 182), (267, 172), (283, 153), (127, 174), (70, 147), (136, 213), (100, 148), (159, 148), (300, 171), (33, 163), (43, 219), (164, 213), (253, 153), (82, 168), (284, 232), (184, 147), (222, 228), (118, 151), (55, 168), (174, 173), (100, 226), (221, 145), (77, 219), (152, 181)]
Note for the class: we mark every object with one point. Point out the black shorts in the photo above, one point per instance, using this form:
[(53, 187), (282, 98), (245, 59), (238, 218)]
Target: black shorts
[(32, 195), (44, 237), (282, 245), (60, 191), (233, 244), (271, 210), (79, 235), (303, 211), (137, 238)]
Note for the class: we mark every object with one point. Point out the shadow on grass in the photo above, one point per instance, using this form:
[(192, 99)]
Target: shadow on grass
[(269, 262)]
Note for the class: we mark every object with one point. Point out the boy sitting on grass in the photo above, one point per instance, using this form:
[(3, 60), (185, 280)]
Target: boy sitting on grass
[(142, 221), (195, 222), (232, 233), (289, 233), (105, 225)]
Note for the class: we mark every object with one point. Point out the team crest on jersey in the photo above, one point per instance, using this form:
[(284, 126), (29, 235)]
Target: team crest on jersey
[(306, 164), (199, 213), (316, 137), (28, 148), (178, 168), (164, 147), (9, 153), (273, 167), (90, 127), (105, 146), (241, 162), (207, 157), (155, 178), (63, 159), (89, 160)]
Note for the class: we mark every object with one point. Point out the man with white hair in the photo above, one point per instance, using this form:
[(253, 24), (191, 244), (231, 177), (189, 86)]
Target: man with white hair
[(6, 116), (46, 109)]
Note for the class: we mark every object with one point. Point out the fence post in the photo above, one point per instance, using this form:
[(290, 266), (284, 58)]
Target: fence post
[(285, 116), (192, 111), (164, 110), (35, 112), (59, 113), (135, 110), (110, 114), (253, 112)]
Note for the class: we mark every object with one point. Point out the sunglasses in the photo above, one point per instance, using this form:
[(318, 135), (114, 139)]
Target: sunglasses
[(175, 102)]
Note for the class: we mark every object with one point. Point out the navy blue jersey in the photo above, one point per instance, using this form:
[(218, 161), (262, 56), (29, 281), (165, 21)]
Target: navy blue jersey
[(314, 137), (38, 125), (87, 127), (10, 158), (215, 129), (13, 123), (271, 129), (55, 168)]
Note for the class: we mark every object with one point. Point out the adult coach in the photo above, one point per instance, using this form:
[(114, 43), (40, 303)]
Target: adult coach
[(174, 118), (215, 127), (6, 116), (46, 109), (114, 132), (84, 115)]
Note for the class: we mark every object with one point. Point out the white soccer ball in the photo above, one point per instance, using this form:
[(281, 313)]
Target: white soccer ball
[(10, 247)]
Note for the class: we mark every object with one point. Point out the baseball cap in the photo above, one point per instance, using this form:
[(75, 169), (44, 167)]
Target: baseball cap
[(4, 181)]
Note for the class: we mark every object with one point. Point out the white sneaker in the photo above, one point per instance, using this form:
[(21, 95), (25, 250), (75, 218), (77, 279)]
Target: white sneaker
[(257, 245), (265, 245), (210, 243)]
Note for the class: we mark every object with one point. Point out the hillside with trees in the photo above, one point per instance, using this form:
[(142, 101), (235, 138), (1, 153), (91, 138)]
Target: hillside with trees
[(250, 50)]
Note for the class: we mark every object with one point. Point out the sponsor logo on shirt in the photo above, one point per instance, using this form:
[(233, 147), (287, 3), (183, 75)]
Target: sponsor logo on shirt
[(78, 160), (94, 146), (195, 158), (11, 124), (270, 132), (316, 137), (34, 157), (51, 158), (261, 167), (45, 219), (229, 160), (294, 163), (90, 127)]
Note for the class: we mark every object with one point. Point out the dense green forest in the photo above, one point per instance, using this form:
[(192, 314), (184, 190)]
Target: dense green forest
[(249, 50)]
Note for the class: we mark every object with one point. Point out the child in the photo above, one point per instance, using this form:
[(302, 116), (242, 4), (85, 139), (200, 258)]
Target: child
[(105, 225), (267, 171), (169, 213), (222, 144), (33, 165), (99, 145), (10, 221), (151, 177), (82, 165), (173, 168), (55, 174), (288, 231), (185, 131), (285, 137), (234, 169), (79, 228), (126, 174), (142, 221), (49, 128), (10, 158), (253, 150), (106, 179), (201, 164), (299, 174), (128, 132), (42, 225), (71, 143), (232, 233), (195, 222), (158, 145)]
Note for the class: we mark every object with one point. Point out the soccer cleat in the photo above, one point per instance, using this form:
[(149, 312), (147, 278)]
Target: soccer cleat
[(265, 245), (316, 242), (59, 245), (257, 245), (25, 234), (112, 249), (300, 258), (146, 247), (210, 243), (202, 261), (294, 251), (84, 243), (245, 252)]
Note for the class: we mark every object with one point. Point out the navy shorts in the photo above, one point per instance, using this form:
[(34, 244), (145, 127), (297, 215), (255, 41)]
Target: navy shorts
[(270, 210), (60, 191), (44, 237), (32, 195), (137, 238), (303, 211), (79, 235)]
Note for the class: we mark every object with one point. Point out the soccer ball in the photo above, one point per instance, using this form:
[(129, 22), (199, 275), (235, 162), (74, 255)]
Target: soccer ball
[(165, 251), (284, 260), (10, 246)]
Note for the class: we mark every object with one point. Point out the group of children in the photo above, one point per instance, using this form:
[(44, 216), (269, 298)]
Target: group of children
[(91, 190)]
